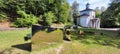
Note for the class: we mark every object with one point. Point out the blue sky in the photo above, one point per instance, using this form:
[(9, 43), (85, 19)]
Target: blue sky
[(93, 3)]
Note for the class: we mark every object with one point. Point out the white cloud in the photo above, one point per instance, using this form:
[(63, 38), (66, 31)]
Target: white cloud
[(87, 1), (93, 3)]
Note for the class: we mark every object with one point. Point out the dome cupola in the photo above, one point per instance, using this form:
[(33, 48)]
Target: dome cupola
[(87, 6)]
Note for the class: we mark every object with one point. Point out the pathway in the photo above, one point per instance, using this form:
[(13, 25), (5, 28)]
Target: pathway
[(110, 29), (6, 29)]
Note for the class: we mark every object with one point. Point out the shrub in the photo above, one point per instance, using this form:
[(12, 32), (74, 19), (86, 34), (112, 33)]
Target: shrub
[(26, 20), (3, 17), (40, 17), (50, 18)]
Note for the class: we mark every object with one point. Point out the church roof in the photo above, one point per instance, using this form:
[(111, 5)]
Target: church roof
[(84, 15), (87, 10)]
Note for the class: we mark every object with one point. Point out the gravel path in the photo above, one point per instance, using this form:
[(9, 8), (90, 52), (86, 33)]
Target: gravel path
[(6, 29), (110, 29)]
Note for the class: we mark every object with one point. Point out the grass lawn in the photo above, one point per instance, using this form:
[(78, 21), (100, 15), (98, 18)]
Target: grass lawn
[(93, 42), (76, 47), (106, 43), (12, 42)]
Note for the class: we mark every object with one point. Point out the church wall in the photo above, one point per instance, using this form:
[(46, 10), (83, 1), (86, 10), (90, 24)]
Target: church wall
[(93, 14), (84, 21), (88, 22)]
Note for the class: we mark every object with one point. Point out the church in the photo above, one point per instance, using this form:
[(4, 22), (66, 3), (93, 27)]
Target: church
[(87, 18)]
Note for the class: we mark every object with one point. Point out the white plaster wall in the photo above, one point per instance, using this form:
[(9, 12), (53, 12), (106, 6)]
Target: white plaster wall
[(88, 22), (84, 21), (93, 14)]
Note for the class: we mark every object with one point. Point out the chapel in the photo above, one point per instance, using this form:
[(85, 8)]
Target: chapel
[(87, 18)]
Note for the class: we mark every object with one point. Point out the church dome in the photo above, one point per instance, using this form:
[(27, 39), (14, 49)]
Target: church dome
[(87, 8)]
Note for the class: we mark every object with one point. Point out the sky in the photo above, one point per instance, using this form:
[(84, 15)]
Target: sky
[(93, 3)]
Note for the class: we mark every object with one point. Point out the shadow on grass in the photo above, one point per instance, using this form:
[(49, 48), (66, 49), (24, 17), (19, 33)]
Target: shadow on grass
[(105, 38), (25, 46)]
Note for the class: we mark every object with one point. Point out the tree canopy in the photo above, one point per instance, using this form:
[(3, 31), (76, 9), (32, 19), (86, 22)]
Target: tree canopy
[(111, 17), (75, 11), (42, 9)]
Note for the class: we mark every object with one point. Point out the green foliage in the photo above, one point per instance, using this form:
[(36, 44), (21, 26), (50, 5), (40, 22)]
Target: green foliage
[(111, 17), (64, 14), (97, 13), (70, 17), (59, 12), (69, 23), (75, 11), (43, 9), (40, 18), (3, 17), (26, 20), (49, 18)]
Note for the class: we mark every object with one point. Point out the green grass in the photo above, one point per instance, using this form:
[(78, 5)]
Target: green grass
[(92, 42), (12, 38), (46, 49), (76, 47), (107, 43), (101, 37)]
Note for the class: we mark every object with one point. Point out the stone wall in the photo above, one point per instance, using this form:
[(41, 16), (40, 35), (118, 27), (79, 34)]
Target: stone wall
[(43, 36)]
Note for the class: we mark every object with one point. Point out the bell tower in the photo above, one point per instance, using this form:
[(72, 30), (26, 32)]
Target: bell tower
[(87, 6)]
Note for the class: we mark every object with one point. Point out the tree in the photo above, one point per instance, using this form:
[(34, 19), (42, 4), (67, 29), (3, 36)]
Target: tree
[(25, 20), (49, 18), (97, 12), (64, 13), (70, 18), (75, 11), (110, 18), (97, 9), (103, 9), (42, 9)]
